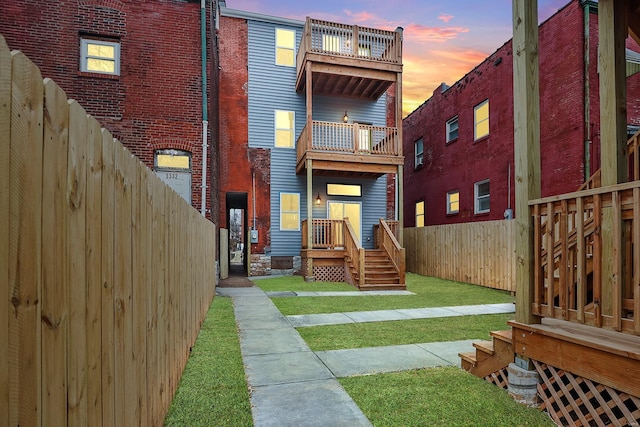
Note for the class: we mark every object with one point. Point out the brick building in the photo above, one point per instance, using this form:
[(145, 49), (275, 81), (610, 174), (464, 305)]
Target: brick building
[(459, 143), (137, 67)]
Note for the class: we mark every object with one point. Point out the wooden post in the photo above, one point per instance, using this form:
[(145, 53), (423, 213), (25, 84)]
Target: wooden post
[(309, 99), (612, 32), (526, 100), (400, 177)]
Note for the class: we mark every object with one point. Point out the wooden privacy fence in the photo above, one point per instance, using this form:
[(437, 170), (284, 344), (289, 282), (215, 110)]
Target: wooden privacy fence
[(107, 273), (482, 253)]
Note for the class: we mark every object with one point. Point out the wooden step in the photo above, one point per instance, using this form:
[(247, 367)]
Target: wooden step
[(489, 356), (484, 350), (383, 287)]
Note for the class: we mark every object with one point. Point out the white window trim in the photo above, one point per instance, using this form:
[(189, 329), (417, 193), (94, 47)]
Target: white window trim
[(476, 197), (449, 123), (275, 58), (281, 212), (276, 128), (84, 42), (449, 210), (475, 120), (415, 149)]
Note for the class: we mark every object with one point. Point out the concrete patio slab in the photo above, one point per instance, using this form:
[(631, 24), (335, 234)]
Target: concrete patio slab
[(271, 369), (264, 341), (312, 404), (303, 320), (376, 316), (449, 350), (468, 310)]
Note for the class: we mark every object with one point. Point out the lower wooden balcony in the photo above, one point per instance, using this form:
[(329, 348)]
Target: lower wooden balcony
[(349, 149), (336, 255)]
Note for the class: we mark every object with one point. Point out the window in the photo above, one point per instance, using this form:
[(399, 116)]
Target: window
[(419, 149), (331, 43), (364, 136), (453, 202), (285, 47), (481, 195), (290, 211), (452, 129), (364, 51), (481, 120), (420, 214), (344, 190), (284, 128), (97, 56), (174, 169)]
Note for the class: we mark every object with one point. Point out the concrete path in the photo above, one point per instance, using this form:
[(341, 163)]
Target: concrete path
[(291, 386)]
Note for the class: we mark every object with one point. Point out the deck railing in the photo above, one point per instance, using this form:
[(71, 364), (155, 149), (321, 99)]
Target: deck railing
[(387, 240), (354, 252), (350, 41), (568, 253), (348, 138), (326, 233)]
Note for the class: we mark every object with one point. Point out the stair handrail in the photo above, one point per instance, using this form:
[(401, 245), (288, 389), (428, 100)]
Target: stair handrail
[(354, 251), (394, 250)]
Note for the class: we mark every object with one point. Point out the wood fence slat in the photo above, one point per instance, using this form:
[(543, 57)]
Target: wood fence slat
[(5, 138), (55, 312), (636, 259), (153, 378), (107, 270), (93, 258), (25, 242), (76, 263)]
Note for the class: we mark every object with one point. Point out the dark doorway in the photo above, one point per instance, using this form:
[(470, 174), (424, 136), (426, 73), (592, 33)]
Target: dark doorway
[(237, 219)]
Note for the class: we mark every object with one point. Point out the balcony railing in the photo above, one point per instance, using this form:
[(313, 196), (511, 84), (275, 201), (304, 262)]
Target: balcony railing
[(350, 41), (568, 254), (326, 233), (348, 138)]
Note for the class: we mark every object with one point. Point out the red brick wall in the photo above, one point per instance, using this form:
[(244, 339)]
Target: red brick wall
[(238, 163), (156, 101), (458, 165)]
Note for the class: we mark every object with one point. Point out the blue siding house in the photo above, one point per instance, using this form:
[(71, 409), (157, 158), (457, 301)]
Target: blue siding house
[(317, 103)]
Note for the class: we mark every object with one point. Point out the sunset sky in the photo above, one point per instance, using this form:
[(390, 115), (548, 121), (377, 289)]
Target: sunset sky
[(443, 39)]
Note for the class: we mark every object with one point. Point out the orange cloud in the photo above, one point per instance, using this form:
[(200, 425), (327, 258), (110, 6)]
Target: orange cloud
[(445, 17), (421, 33), (362, 17)]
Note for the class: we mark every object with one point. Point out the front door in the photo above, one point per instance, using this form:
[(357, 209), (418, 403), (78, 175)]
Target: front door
[(351, 210)]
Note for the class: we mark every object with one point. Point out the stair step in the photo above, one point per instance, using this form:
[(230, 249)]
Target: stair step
[(506, 335), (484, 347), (383, 287), (469, 357)]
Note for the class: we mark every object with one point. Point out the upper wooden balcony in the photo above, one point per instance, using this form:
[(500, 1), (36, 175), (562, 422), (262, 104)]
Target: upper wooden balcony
[(349, 149), (348, 60)]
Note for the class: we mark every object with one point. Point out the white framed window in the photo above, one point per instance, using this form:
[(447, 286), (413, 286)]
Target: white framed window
[(284, 128), (481, 196), (452, 129), (453, 202), (420, 214), (352, 190), (98, 56), (290, 211), (481, 120), (419, 152), (285, 47), (174, 169)]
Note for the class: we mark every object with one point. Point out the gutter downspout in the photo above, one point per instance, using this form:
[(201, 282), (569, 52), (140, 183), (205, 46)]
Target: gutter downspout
[(205, 122)]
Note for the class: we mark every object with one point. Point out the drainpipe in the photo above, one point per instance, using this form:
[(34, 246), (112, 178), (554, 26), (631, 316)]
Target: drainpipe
[(205, 122), (587, 113)]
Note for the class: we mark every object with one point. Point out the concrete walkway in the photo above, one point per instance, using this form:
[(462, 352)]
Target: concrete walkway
[(292, 386)]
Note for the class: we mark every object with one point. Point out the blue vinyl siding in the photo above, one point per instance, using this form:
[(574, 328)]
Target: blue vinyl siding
[(272, 87)]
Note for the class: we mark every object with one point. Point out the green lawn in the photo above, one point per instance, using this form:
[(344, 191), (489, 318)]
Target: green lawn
[(438, 397), (429, 292), (213, 389), (374, 334)]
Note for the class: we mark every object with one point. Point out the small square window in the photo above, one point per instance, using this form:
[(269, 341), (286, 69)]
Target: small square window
[(419, 151), (285, 47), (453, 202), (481, 120), (481, 195), (452, 129), (420, 214), (98, 56)]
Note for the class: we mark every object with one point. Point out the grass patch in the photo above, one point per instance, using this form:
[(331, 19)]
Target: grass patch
[(429, 292), (438, 397), (374, 334), (213, 389), (297, 283)]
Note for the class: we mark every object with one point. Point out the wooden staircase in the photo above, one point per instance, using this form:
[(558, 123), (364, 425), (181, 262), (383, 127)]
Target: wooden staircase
[(380, 274), (489, 356)]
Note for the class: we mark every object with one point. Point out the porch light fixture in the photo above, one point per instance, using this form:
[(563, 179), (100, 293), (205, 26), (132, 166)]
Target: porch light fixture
[(318, 199), (345, 118)]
